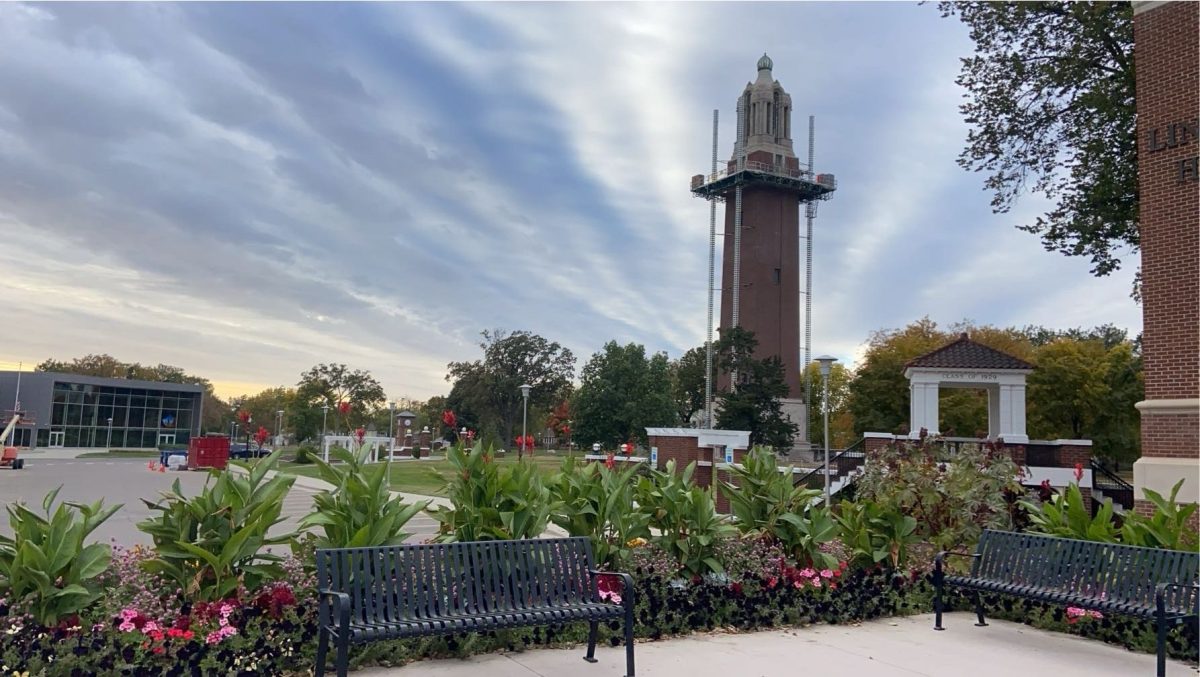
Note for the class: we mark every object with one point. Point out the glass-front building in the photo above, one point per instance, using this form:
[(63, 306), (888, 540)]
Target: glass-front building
[(64, 410)]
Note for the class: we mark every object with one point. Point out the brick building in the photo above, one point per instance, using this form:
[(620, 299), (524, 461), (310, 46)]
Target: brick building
[(1168, 102)]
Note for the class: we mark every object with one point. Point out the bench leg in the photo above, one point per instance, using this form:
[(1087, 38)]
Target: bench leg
[(591, 652), (322, 652), (1161, 621), (629, 645), (979, 611), (343, 656), (937, 604)]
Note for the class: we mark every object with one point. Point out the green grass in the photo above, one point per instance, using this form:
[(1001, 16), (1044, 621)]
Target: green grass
[(122, 453), (429, 477)]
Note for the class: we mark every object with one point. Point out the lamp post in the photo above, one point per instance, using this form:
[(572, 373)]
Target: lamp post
[(324, 417), (571, 436), (108, 442), (279, 428), (826, 362), (462, 436), (525, 388), (392, 419)]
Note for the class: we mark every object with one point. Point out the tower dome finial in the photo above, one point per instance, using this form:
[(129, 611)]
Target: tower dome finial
[(765, 63)]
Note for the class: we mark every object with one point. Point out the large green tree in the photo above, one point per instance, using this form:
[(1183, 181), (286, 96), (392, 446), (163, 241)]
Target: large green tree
[(754, 404), (491, 389), (330, 385), (1050, 104), (841, 423), (687, 384), (621, 393)]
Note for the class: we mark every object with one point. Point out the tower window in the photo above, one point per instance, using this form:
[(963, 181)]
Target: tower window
[(777, 271)]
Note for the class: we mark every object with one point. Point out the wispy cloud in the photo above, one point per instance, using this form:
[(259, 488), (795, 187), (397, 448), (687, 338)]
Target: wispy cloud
[(246, 190)]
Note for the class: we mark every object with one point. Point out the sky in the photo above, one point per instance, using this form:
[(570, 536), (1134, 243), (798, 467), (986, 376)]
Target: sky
[(246, 190)]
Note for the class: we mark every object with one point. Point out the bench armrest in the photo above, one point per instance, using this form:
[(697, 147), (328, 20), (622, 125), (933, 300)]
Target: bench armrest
[(627, 590), (1160, 593), (940, 558), (340, 602)]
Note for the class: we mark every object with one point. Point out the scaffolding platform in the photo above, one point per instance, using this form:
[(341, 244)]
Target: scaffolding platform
[(805, 183)]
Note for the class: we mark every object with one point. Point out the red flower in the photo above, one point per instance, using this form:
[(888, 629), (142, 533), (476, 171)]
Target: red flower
[(628, 448), (610, 462), (449, 419), (244, 416), (736, 588), (1078, 472), (526, 443), (158, 649), (261, 435), (470, 434), (566, 430), (360, 434), (772, 582), (343, 408)]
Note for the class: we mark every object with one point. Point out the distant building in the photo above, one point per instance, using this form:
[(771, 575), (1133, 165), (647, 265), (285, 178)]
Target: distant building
[(69, 410)]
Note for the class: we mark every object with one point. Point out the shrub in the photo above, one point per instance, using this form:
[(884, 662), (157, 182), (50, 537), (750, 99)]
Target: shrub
[(1169, 527), (491, 502), (596, 501), (874, 534), (685, 517), (212, 543), (1067, 516), (306, 454), (360, 511), (45, 568), (952, 496)]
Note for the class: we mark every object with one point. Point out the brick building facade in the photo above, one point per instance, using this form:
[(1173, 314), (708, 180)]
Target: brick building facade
[(1168, 106)]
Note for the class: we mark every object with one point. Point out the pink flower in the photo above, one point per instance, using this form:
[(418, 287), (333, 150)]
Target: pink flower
[(808, 573), (826, 573), (149, 627), (816, 582), (128, 614), (126, 626)]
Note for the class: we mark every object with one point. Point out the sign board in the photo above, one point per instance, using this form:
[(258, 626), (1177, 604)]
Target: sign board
[(654, 456), (729, 455)]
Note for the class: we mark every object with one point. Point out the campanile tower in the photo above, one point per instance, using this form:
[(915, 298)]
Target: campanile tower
[(763, 187)]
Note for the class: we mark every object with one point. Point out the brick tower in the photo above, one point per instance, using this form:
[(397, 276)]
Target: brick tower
[(1168, 137), (767, 267)]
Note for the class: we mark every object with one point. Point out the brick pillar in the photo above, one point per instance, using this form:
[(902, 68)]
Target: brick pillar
[(1168, 68)]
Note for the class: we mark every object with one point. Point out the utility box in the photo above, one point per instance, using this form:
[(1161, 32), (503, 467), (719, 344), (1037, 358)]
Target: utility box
[(208, 452)]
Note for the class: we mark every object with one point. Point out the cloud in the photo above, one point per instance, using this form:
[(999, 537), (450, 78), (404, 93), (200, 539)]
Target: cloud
[(248, 190)]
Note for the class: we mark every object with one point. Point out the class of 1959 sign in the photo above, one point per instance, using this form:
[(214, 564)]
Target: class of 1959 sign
[(968, 376)]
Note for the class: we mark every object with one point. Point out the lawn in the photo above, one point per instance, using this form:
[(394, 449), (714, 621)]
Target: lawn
[(428, 477)]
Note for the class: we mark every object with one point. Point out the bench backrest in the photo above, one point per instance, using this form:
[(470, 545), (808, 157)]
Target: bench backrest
[(1114, 573), (459, 579)]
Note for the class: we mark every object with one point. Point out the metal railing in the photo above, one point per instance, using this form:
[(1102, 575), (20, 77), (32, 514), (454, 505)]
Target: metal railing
[(841, 465), (802, 172), (1112, 486)]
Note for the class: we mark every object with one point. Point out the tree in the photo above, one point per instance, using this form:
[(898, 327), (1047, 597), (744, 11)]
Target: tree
[(621, 393), (330, 385), (264, 407), (491, 386), (1050, 101), (754, 405), (841, 423), (687, 384)]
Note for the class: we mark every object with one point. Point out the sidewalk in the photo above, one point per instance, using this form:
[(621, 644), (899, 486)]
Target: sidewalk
[(900, 647)]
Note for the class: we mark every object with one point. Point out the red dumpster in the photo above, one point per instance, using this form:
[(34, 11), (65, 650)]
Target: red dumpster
[(208, 452)]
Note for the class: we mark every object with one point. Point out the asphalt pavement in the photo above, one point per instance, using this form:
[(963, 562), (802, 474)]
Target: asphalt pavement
[(126, 481)]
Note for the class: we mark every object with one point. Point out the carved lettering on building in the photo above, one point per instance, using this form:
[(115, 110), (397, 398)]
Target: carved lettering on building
[(968, 376), (1174, 135)]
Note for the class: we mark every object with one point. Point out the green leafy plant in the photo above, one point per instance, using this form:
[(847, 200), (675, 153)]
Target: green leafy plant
[(360, 511), (1169, 527), (1066, 515), (766, 502), (306, 454), (685, 517), (45, 568), (952, 495), (597, 501), (491, 502), (214, 542), (874, 534)]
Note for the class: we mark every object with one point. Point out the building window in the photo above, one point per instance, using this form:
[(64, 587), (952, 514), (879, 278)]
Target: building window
[(777, 273)]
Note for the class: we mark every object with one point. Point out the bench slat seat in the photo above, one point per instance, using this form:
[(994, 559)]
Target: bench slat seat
[(1148, 583), (371, 594)]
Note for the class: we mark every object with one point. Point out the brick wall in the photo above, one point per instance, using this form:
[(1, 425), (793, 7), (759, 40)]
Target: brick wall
[(1168, 64), (1170, 435)]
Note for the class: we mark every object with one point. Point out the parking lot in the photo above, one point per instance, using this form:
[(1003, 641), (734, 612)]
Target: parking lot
[(126, 481)]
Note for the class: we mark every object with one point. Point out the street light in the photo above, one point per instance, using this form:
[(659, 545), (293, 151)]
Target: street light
[(571, 435), (826, 362), (392, 419), (462, 436), (108, 442), (524, 417), (324, 416), (279, 428)]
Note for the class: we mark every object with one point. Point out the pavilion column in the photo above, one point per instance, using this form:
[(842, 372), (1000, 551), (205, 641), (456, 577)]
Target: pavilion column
[(994, 427)]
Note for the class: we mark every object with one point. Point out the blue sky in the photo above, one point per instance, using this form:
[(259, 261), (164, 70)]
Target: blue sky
[(248, 190)]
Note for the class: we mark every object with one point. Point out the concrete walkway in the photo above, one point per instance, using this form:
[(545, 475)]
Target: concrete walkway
[(900, 647)]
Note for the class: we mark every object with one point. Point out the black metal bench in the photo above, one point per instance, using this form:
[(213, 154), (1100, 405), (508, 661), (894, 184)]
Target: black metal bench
[(369, 594), (1148, 583)]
